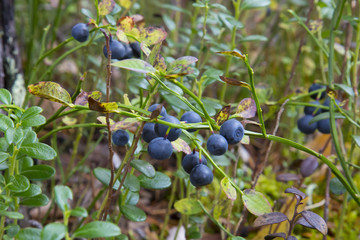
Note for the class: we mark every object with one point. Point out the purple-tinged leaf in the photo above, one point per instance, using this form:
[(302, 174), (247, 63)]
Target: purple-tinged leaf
[(286, 177), (270, 218), (105, 7), (308, 166), (302, 221), (291, 238), (180, 145), (246, 108), (316, 221), (275, 235), (234, 82), (296, 192)]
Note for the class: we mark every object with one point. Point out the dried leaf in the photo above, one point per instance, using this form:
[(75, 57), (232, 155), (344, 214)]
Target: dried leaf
[(102, 107), (235, 82), (51, 91), (270, 218), (245, 140), (316, 221), (69, 120), (296, 192), (82, 98), (93, 22), (223, 115), (233, 54), (180, 145), (152, 35), (228, 189), (130, 124), (246, 108), (106, 6), (154, 114)]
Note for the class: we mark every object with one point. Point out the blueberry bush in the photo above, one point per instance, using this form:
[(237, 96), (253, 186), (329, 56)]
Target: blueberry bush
[(183, 120)]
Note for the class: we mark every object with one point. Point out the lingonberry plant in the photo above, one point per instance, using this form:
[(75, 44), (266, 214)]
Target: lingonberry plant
[(151, 131)]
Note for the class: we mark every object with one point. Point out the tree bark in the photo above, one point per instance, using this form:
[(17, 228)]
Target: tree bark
[(11, 74)]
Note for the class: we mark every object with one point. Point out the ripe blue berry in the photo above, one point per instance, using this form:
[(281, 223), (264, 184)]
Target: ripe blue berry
[(160, 148), (136, 49), (324, 126), (232, 130), (128, 52), (120, 138), (154, 106), (217, 145), (327, 104), (191, 117), (191, 160), (148, 132), (315, 87), (80, 32), (201, 175), (304, 126), (117, 50), (161, 129), (311, 110)]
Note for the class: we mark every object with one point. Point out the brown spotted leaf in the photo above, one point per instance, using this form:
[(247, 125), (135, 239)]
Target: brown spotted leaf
[(180, 145), (316, 221), (188, 206), (181, 64), (102, 107), (228, 188), (82, 98), (233, 54), (92, 22), (51, 91), (106, 6), (235, 82), (152, 35), (102, 119), (120, 34), (270, 218), (145, 48), (156, 59), (223, 115), (130, 124), (246, 108), (125, 24)]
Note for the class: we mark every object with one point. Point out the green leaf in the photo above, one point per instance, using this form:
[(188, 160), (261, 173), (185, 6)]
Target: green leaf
[(97, 229), (250, 4), (14, 135), (29, 234), (160, 181), (12, 230), (5, 123), (29, 137), (336, 187), (181, 64), (30, 112), (135, 65), (143, 167), (188, 206), (79, 212), (325, 115), (53, 231), (31, 192), (36, 201), (62, 195), (51, 91), (38, 150), (229, 190), (133, 213), (12, 215), (5, 96), (3, 156), (345, 88), (132, 183), (33, 121), (356, 139), (39, 172), (255, 202), (103, 175), (252, 38), (25, 162), (132, 198), (19, 183)]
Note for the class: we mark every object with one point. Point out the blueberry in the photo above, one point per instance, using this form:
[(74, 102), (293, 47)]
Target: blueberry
[(117, 50), (160, 148), (315, 87), (154, 106), (148, 132), (311, 110), (232, 130), (324, 126), (327, 104), (191, 117), (217, 144), (304, 126), (201, 175), (120, 137), (128, 51), (136, 49), (80, 32), (161, 129), (191, 160)]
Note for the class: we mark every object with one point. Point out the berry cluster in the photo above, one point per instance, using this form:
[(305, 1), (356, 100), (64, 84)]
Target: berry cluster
[(322, 125)]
